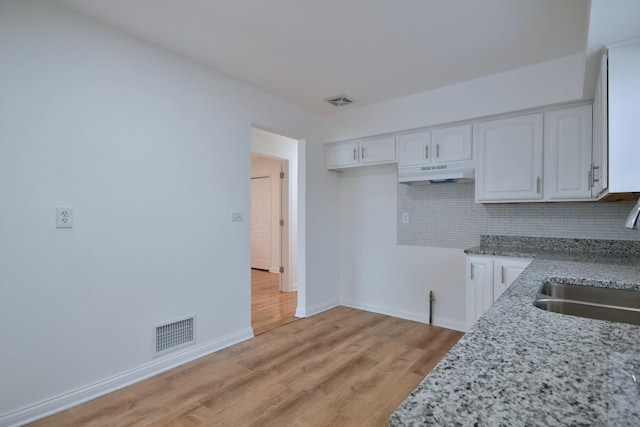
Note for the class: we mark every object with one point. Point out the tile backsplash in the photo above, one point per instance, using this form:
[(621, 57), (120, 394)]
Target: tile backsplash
[(446, 216)]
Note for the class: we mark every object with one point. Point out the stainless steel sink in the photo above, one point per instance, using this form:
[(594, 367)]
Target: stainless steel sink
[(616, 305)]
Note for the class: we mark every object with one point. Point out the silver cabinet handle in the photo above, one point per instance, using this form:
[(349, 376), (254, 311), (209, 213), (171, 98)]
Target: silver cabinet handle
[(355, 153), (426, 152), (538, 185), (594, 167), (362, 148), (437, 150), (471, 276), (590, 178), (502, 274)]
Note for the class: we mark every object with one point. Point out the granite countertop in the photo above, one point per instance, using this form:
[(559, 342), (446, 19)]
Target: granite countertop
[(521, 365)]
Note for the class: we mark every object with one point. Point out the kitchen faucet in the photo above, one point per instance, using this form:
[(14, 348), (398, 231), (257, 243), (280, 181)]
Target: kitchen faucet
[(632, 219)]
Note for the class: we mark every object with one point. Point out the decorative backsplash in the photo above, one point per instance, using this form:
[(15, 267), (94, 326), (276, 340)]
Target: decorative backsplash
[(447, 216)]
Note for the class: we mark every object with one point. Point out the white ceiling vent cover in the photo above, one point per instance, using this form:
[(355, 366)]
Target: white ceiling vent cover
[(340, 100), (174, 335)]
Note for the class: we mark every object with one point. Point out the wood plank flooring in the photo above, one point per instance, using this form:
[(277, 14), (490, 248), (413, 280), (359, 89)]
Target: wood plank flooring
[(343, 367), (270, 307)]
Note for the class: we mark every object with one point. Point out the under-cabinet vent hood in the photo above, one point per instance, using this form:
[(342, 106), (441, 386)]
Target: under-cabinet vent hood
[(437, 174)]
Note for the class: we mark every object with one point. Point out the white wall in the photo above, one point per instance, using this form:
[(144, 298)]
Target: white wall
[(380, 276), (153, 153), (322, 250), (376, 273)]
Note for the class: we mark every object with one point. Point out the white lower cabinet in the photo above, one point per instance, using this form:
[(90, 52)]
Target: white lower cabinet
[(479, 287), (487, 278), (505, 271)]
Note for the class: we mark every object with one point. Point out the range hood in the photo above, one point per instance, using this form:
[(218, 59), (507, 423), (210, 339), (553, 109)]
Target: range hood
[(437, 174)]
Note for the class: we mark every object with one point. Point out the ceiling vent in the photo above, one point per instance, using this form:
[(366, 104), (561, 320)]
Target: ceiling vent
[(340, 100)]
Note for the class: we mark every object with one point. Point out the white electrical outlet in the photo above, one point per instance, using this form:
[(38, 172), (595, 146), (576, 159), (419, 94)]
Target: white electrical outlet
[(64, 217), (405, 218), (237, 217)]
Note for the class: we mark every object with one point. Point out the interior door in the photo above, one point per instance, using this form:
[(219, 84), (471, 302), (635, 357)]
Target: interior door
[(260, 223)]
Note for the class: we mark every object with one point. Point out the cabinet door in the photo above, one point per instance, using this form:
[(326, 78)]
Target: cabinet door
[(509, 162), (378, 150), (452, 144), (413, 149), (624, 117), (479, 287), (600, 134), (567, 153), (342, 154), (505, 272)]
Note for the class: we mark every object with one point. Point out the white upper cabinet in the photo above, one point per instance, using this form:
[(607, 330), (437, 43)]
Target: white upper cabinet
[(452, 144), (599, 152), (440, 145), (377, 150), (414, 149), (555, 155), (509, 159), (567, 153), (343, 154), (623, 118)]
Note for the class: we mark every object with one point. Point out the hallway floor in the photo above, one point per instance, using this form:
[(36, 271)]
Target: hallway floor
[(270, 307)]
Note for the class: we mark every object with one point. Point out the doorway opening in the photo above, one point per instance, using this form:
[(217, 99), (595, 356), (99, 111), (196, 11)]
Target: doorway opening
[(274, 293)]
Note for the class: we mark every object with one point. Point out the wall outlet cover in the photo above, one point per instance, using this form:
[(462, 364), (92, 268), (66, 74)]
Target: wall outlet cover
[(64, 217)]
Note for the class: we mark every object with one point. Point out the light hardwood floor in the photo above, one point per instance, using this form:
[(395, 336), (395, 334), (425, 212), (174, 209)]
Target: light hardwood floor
[(270, 308), (343, 367)]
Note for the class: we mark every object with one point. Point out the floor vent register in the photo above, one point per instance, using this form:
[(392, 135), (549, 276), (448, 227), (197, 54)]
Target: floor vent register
[(174, 335)]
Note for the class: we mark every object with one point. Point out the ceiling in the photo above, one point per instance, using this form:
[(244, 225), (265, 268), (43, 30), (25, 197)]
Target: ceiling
[(372, 50)]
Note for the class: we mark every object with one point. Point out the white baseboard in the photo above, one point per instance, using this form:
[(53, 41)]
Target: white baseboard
[(285, 287), (324, 306), (301, 312), (83, 394), (408, 315), (450, 324), (402, 314)]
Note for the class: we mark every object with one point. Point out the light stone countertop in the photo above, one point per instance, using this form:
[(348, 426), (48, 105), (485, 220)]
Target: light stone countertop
[(521, 365)]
